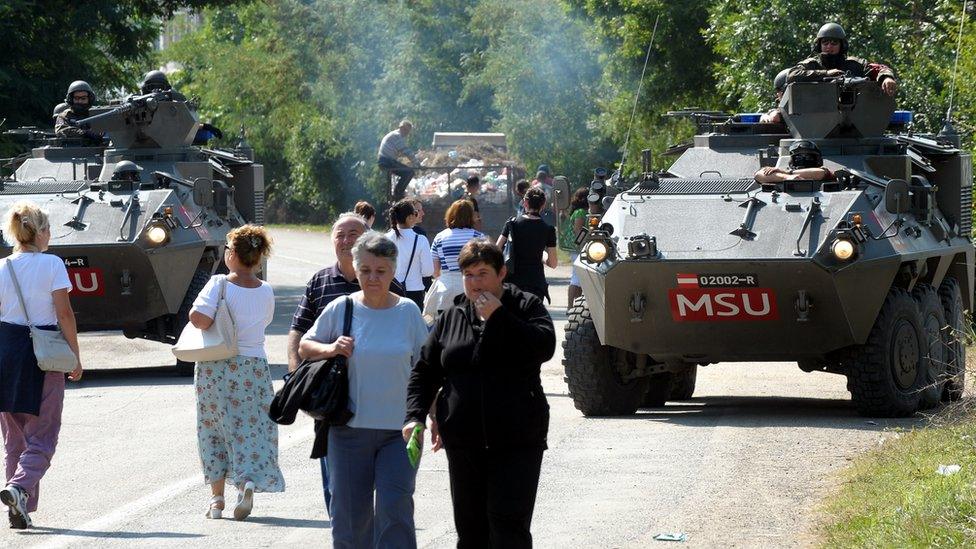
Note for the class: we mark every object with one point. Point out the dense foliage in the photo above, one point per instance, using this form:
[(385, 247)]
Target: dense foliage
[(317, 83)]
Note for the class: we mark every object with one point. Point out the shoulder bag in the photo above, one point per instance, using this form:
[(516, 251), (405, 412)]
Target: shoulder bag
[(50, 348), (218, 342), (328, 399)]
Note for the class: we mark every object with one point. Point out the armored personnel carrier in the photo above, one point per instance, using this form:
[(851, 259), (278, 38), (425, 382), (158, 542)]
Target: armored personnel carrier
[(138, 249), (866, 273)]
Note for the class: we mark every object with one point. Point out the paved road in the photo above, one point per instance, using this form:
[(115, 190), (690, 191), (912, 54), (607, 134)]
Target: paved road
[(743, 464)]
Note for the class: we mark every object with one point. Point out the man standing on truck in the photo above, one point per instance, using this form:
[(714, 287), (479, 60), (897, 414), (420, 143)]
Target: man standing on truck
[(393, 146)]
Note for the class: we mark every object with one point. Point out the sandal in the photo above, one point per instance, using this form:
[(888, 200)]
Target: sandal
[(216, 508), (245, 501)]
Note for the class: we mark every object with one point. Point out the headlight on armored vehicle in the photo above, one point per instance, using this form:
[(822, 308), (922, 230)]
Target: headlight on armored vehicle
[(597, 251), (843, 249), (157, 235)]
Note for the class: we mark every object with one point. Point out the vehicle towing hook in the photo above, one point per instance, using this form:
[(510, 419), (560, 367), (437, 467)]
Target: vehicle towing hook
[(638, 304), (803, 304)]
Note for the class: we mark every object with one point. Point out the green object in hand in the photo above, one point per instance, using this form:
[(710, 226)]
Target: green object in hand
[(415, 445)]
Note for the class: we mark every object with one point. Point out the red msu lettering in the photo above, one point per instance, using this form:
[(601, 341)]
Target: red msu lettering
[(722, 304), (86, 281)]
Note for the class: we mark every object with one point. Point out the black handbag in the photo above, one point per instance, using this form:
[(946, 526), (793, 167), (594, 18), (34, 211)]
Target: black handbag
[(329, 400)]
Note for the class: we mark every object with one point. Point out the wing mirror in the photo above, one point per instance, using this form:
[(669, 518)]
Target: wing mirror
[(897, 200), (562, 193)]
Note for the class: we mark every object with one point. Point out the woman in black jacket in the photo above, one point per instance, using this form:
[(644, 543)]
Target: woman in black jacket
[(484, 354)]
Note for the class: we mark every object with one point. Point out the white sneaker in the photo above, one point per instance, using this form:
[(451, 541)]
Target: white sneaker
[(16, 499), (245, 501)]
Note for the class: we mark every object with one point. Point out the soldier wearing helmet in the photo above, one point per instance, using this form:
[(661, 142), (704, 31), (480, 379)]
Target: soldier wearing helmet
[(78, 100), (806, 163), (830, 60), (155, 81), (126, 170), (774, 116)]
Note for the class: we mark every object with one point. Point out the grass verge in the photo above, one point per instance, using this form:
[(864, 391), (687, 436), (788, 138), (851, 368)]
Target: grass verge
[(894, 497)]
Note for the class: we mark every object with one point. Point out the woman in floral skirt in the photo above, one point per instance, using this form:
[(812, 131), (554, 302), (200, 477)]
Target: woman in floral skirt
[(238, 441)]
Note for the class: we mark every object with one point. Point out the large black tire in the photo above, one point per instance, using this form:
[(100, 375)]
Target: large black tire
[(199, 280), (659, 390), (935, 350), (683, 384), (951, 297), (591, 372), (887, 373)]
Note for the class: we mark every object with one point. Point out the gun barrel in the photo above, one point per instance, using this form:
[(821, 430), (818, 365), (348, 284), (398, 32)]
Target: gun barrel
[(87, 123)]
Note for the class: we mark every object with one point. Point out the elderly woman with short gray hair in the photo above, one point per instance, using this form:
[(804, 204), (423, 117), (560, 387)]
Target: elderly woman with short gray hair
[(367, 457)]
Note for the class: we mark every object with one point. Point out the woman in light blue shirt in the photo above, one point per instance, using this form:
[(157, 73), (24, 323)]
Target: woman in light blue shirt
[(367, 457)]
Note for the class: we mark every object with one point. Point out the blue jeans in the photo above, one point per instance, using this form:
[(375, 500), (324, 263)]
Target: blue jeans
[(324, 465), (362, 462)]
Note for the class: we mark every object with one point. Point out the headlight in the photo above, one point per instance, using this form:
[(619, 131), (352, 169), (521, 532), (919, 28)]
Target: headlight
[(157, 235), (596, 251), (842, 249)]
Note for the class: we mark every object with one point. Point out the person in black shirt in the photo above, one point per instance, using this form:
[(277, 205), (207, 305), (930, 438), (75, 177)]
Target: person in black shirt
[(484, 355), (530, 236), (471, 189)]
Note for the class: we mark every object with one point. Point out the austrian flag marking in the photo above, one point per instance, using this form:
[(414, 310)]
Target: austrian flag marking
[(687, 280)]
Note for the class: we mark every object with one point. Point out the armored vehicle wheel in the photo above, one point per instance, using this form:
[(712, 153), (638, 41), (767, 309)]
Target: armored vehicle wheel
[(887, 373), (951, 297), (659, 390), (199, 280), (592, 369), (934, 349), (683, 384)]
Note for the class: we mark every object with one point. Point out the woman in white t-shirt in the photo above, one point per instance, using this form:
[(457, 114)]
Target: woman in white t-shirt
[(414, 260), (238, 442), (30, 399)]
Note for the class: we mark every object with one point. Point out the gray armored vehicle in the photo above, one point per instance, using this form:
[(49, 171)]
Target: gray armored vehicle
[(140, 222), (866, 273)]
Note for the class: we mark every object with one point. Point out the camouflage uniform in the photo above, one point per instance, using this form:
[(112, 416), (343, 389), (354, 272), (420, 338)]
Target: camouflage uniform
[(62, 127), (814, 69)]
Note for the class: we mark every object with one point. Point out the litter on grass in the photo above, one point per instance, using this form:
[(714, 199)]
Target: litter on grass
[(946, 470)]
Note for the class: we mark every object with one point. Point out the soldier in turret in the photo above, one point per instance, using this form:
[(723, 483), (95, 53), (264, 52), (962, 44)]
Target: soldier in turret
[(155, 81), (79, 100), (830, 60), (774, 116)]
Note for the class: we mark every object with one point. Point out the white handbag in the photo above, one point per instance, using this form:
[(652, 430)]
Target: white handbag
[(50, 348), (218, 342)]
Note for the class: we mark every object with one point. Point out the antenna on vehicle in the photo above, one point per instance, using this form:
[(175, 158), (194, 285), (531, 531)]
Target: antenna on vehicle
[(630, 127), (947, 128)]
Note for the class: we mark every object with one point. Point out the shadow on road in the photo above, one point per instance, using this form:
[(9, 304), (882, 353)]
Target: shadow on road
[(45, 531), (291, 523), (769, 411), (150, 375)]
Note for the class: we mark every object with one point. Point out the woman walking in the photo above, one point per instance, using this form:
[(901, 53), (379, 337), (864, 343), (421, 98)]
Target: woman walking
[(481, 364), (414, 261), (238, 442), (370, 476), (530, 236), (445, 248), (31, 400)]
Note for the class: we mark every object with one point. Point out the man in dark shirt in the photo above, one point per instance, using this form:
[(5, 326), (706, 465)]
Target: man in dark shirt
[(471, 189), (330, 283), (831, 60)]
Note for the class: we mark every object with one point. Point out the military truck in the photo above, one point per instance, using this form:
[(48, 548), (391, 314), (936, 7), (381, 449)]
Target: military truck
[(138, 251), (867, 275)]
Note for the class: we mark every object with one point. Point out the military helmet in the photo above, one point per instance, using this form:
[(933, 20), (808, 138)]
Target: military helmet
[(831, 30), (780, 81), (154, 81), (77, 86), (126, 169), (805, 154)]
